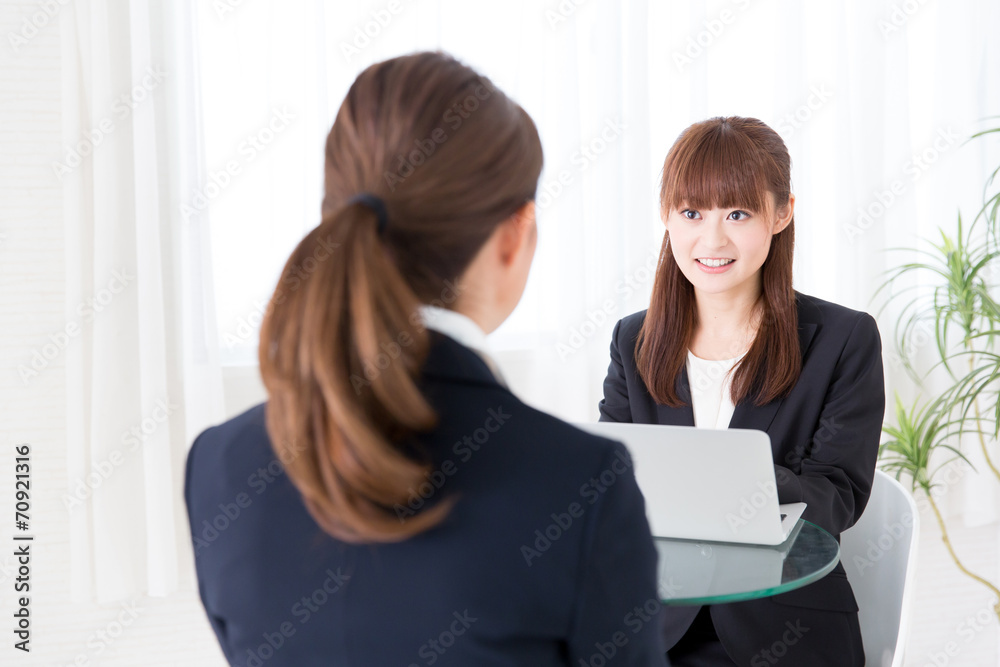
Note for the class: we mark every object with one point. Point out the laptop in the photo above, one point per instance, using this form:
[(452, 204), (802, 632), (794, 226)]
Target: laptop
[(713, 485)]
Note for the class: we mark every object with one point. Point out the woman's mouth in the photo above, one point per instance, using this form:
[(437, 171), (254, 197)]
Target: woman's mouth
[(718, 265)]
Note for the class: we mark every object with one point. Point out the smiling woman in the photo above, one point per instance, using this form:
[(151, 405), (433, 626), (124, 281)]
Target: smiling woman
[(728, 343)]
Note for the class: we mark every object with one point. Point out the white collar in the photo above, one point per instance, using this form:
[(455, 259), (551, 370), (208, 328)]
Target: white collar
[(463, 329)]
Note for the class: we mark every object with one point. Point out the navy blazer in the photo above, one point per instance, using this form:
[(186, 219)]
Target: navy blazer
[(824, 438), (546, 559)]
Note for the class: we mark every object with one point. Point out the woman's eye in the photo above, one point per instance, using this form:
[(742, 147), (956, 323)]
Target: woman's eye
[(739, 213), (689, 214)]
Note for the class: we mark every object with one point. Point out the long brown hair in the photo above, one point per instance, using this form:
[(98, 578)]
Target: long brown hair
[(342, 343), (723, 163)]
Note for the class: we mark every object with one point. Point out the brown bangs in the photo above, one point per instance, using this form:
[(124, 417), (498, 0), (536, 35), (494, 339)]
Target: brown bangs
[(713, 167)]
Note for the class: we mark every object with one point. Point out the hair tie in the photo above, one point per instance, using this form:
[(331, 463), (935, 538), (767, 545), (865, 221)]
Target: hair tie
[(375, 203)]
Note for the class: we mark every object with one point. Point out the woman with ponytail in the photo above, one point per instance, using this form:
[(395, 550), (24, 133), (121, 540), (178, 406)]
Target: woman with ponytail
[(728, 343), (393, 503)]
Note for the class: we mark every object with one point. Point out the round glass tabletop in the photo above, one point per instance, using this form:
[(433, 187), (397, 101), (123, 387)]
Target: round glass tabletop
[(692, 572)]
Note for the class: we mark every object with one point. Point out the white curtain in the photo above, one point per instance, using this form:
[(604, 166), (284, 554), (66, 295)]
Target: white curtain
[(143, 373)]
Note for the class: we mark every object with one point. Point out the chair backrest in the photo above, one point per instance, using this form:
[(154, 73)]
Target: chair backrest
[(879, 555)]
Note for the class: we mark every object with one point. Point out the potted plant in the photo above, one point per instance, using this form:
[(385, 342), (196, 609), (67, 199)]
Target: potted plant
[(961, 302)]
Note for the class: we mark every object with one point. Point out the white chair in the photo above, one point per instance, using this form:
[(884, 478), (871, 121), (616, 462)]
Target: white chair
[(879, 554)]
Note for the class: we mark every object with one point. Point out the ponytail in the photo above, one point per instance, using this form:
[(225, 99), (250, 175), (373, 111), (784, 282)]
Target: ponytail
[(334, 403)]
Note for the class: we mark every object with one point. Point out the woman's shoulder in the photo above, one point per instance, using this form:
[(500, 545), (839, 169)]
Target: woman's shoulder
[(212, 459), (828, 314), (249, 423), (631, 324)]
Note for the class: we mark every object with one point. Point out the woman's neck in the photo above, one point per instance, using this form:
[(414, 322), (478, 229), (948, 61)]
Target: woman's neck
[(727, 324)]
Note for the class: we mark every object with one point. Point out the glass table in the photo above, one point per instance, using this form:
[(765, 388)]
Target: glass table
[(691, 572)]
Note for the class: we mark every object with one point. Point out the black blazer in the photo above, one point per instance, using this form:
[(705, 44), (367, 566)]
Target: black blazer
[(824, 437), (546, 559)]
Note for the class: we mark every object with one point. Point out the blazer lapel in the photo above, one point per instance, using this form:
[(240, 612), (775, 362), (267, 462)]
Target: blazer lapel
[(684, 415), (747, 415)]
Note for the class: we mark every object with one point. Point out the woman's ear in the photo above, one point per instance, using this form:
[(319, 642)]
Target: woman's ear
[(516, 233), (785, 215)]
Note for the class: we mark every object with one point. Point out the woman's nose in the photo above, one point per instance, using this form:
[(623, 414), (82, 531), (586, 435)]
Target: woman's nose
[(715, 235)]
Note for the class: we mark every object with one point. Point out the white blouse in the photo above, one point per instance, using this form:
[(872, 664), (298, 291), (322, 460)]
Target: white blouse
[(710, 382)]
